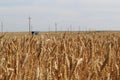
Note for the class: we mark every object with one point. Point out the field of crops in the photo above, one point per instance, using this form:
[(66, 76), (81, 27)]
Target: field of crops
[(60, 56)]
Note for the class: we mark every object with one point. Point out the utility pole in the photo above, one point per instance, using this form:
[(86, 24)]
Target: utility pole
[(61, 29), (2, 27), (55, 27), (70, 28), (29, 24), (49, 28), (79, 29)]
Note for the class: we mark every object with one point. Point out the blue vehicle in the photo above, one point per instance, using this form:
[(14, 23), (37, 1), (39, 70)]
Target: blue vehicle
[(35, 32)]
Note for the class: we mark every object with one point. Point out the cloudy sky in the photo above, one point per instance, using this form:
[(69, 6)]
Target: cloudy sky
[(86, 14)]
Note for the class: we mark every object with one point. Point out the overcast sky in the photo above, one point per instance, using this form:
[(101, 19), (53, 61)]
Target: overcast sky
[(88, 14)]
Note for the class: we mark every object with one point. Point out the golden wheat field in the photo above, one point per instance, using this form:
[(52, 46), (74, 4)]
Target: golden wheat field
[(60, 56)]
